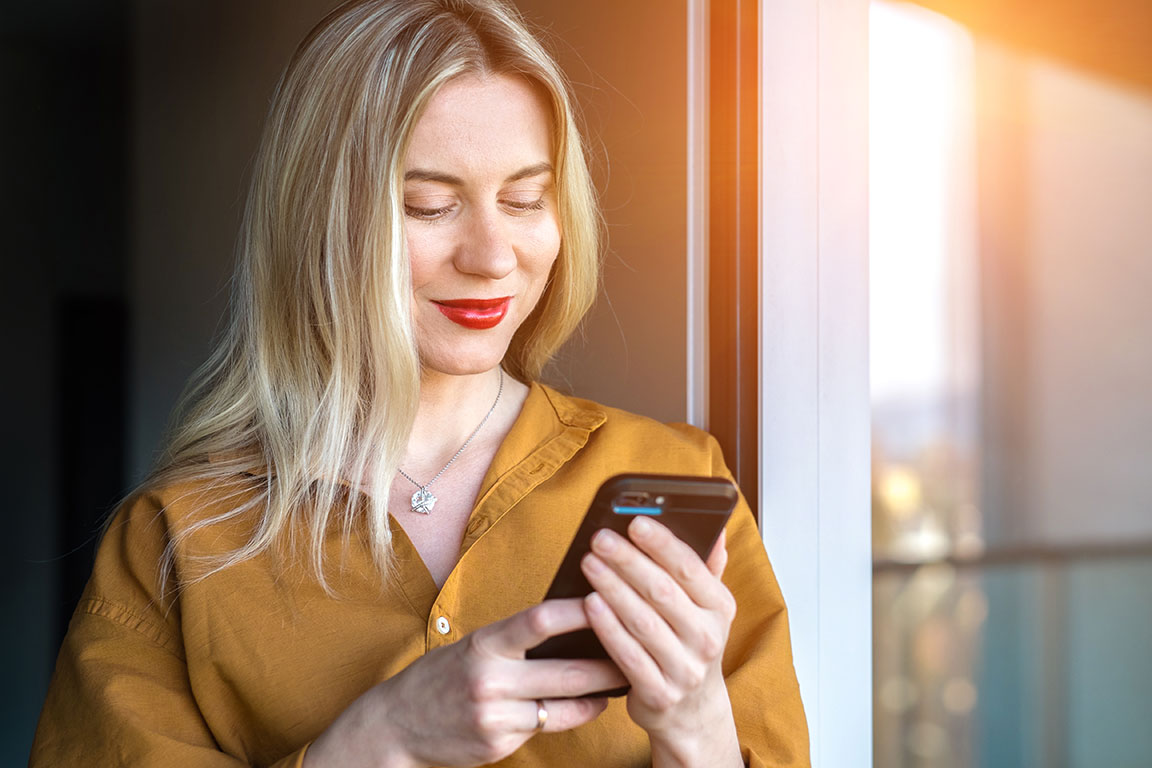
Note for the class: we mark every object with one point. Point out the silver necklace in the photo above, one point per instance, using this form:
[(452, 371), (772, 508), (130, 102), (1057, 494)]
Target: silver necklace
[(422, 499)]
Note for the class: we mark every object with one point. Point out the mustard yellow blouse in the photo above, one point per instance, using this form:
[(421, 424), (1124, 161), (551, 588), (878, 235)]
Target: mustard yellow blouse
[(251, 664)]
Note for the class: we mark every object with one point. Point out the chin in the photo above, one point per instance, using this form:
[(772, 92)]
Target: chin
[(458, 369), (456, 351), (462, 363)]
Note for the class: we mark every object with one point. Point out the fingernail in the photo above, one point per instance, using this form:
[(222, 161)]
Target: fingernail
[(604, 541), (594, 603), (641, 526), (593, 564)]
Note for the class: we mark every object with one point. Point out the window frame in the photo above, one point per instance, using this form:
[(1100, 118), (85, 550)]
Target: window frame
[(803, 274), (815, 419)]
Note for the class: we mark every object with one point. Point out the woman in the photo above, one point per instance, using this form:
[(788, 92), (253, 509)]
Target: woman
[(341, 558)]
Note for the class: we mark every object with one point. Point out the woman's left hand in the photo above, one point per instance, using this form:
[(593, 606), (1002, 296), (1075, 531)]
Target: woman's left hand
[(663, 615)]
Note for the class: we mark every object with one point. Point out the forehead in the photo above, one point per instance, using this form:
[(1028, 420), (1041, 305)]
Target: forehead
[(482, 123)]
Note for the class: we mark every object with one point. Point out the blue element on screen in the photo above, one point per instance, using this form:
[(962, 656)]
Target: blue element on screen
[(636, 510)]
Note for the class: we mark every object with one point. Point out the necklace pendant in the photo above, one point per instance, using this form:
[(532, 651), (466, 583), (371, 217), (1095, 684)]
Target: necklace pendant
[(423, 501)]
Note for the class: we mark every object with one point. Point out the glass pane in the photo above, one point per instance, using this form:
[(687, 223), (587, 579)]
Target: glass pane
[(1011, 363), (925, 358), (1014, 665)]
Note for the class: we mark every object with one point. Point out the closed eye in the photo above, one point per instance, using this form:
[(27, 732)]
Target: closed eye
[(427, 214), (534, 205)]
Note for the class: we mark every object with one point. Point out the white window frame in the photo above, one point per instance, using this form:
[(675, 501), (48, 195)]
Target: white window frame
[(814, 406), (815, 418)]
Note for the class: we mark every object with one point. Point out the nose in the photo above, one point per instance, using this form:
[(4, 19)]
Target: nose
[(487, 249)]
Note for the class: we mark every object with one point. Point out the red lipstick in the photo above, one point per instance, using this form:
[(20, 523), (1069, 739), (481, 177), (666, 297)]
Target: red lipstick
[(477, 314)]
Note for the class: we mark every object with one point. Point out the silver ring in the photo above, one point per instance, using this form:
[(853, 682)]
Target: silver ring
[(541, 715)]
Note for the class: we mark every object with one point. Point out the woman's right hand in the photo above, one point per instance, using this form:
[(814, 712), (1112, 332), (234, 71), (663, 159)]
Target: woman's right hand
[(472, 702)]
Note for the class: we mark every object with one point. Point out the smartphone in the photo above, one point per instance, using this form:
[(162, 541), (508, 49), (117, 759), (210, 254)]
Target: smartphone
[(695, 509)]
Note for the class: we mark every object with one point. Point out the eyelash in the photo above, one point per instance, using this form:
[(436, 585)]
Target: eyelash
[(535, 205), (431, 214)]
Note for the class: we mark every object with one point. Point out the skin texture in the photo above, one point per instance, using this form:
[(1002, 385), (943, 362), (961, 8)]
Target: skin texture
[(481, 223), (478, 231)]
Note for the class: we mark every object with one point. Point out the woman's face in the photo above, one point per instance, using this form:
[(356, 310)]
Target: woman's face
[(480, 218)]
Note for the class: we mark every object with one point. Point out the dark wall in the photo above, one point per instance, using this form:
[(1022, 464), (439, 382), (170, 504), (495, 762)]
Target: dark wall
[(63, 140), (204, 74)]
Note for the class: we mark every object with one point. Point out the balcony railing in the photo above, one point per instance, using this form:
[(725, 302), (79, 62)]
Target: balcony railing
[(1025, 656)]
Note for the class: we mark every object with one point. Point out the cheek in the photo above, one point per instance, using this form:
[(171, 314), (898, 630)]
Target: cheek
[(545, 248), (422, 257)]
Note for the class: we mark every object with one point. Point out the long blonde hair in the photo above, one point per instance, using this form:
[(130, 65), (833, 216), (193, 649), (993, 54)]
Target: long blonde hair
[(316, 378)]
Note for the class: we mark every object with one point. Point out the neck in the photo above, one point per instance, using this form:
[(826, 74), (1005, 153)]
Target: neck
[(450, 409)]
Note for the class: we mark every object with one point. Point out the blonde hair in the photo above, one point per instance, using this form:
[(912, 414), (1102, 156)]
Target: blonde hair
[(316, 378)]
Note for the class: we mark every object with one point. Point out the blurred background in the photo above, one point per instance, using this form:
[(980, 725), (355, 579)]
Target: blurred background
[(1011, 366), (1011, 323)]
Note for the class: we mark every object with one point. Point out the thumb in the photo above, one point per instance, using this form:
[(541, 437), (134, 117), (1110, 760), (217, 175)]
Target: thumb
[(718, 558)]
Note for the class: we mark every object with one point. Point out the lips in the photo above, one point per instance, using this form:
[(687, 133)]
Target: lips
[(476, 314)]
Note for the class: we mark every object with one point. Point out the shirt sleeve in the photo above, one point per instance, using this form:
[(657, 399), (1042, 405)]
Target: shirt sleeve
[(762, 687), (120, 694)]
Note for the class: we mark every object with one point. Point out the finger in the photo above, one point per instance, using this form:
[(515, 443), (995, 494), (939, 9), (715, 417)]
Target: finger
[(632, 658), (681, 562), (718, 557), (559, 678), (511, 637), (669, 649), (521, 716), (657, 587), (677, 654), (566, 714), (551, 678)]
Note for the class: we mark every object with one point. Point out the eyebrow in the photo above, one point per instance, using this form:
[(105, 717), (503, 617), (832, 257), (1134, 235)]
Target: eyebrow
[(419, 174)]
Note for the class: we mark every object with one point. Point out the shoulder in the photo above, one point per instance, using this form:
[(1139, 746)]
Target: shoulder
[(168, 507), (175, 519), (630, 438)]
